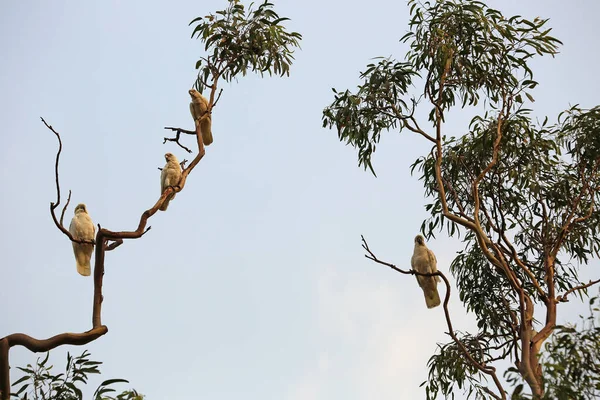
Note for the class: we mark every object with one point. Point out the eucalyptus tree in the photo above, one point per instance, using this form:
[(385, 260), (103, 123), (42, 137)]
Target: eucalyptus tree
[(522, 194)]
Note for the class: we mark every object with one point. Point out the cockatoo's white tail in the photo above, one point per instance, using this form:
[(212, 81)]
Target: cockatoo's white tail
[(432, 297), (85, 268)]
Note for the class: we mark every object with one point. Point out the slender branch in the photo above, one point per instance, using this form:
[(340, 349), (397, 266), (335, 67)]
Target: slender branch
[(570, 218), (563, 298), (53, 206), (461, 209), (180, 130), (515, 257), (176, 140), (217, 99), (62, 214), (116, 243), (418, 130), (42, 345), (514, 324)]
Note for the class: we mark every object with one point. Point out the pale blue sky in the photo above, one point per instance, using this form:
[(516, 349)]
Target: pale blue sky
[(253, 285)]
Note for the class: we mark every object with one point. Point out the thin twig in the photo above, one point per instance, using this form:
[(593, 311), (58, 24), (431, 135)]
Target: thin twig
[(62, 214), (563, 298), (114, 245), (180, 130), (53, 206), (176, 140), (216, 100)]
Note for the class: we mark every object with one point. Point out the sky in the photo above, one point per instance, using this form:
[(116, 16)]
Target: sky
[(253, 284)]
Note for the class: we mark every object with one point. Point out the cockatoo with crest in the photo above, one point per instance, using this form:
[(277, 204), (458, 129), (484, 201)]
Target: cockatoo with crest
[(198, 108), (169, 176), (82, 228), (424, 261)]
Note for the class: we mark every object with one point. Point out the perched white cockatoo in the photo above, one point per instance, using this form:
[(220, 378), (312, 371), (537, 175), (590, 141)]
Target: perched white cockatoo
[(169, 176), (82, 228), (424, 261), (198, 108)]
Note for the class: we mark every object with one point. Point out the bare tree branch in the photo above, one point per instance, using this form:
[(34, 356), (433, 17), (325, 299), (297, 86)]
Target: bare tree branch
[(53, 206), (176, 140), (179, 130), (417, 129), (563, 298), (38, 346)]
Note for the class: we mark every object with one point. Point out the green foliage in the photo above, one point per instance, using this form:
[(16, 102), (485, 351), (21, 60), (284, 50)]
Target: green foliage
[(473, 47), (571, 359), (522, 194), (39, 383), (237, 40), (377, 106), (484, 293), (450, 372), (528, 192)]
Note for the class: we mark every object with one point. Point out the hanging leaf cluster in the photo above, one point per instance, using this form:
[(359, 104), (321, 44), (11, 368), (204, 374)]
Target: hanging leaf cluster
[(237, 40)]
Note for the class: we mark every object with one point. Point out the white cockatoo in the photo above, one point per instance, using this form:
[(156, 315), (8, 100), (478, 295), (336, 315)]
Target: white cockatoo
[(169, 176), (82, 228), (198, 108), (424, 261)]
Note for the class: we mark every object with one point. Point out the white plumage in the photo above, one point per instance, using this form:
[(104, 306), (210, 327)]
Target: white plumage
[(198, 108), (82, 228), (169, 176), (424, 261)]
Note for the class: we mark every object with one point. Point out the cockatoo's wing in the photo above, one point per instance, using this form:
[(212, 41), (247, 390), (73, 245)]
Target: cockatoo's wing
[(169, 176), (423, 260), (193, 111), (163, 179), (82, 228), (433, 264), (206, 126), (198, 108)]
